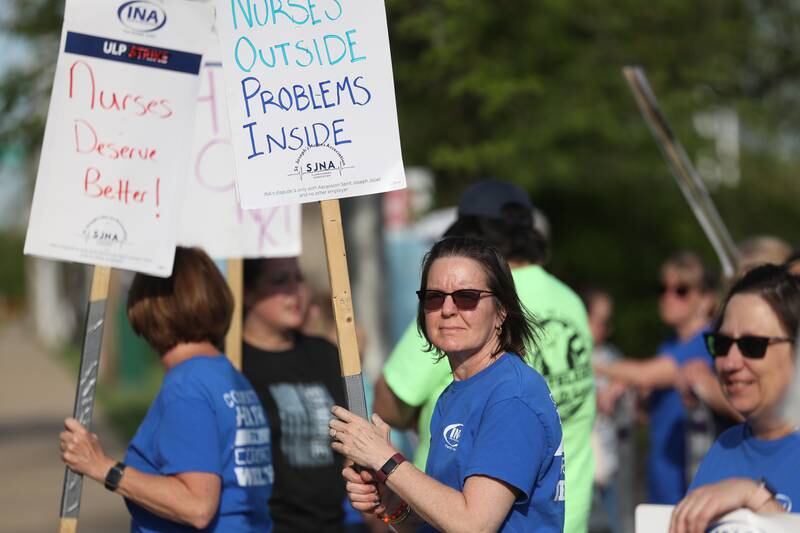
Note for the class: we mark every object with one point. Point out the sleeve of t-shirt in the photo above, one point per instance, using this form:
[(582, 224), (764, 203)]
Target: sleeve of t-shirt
[(188, 438), (696, 349), (412, 373), (510, 446)]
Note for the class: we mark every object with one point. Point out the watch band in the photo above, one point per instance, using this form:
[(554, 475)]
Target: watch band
[(389, 467), (763, 493), (114, 476)]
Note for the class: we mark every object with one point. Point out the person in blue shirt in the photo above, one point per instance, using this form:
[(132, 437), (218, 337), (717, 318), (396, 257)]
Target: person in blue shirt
[(754, 464), (202, 457), (685, 304), (496, 459)]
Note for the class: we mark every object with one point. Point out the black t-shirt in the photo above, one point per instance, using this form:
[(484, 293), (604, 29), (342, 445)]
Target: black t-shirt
[(297, 388)]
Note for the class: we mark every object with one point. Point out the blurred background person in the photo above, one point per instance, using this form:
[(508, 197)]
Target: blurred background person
[(753, 464), (611, 431), (298, 379), (497, 460), (183, 469), (761, 250), (686, 301), (501, 214)]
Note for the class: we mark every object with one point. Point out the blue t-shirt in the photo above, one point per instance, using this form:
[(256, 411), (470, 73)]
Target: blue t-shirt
[(737, 453), (502, 423), (666, 462), (207, 418)]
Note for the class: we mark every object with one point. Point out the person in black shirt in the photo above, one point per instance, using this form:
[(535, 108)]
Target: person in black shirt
[(298, 380)]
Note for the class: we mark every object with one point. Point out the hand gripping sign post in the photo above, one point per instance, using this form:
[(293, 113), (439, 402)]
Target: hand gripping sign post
[(231, 233), (114, 155), (692, 187), (313, 118)]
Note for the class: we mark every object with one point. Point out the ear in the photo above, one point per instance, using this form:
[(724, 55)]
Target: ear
[(501, 317)]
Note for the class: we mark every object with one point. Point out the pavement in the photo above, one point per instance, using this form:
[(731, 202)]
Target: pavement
[(37, 392)]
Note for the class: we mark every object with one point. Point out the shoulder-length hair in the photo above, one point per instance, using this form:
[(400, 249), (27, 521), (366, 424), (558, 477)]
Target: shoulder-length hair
[(520, 330), (194, 304)]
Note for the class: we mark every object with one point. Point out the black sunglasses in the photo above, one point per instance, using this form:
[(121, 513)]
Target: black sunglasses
[(751, 346), (681, 290), (464, 299)]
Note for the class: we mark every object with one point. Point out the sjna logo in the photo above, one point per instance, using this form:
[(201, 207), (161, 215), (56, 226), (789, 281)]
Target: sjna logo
[(142, 16), (452, 434)]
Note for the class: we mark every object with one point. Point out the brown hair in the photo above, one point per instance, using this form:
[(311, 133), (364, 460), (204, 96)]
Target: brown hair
[(690, 264), (194, 304), (519, 333)]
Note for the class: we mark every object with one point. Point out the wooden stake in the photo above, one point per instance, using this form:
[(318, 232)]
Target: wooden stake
[(343, 307), (87, 386), (233, 341)]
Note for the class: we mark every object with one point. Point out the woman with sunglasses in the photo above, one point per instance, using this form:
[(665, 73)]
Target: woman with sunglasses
[(754, 464), (685, 303), (496, 460)]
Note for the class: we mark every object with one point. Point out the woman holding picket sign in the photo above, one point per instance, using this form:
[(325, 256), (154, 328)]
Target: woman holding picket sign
[(496, 460), (201, 459)]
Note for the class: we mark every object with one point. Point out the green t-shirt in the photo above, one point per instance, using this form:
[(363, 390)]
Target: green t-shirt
[(563, 358)]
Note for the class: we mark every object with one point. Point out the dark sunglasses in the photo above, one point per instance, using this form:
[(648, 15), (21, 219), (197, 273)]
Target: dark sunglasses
[(680, 290), (464, 299), (751, 346)]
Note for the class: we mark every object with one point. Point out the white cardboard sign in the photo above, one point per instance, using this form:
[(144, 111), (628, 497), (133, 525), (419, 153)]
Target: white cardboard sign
[(655, 519), (211, 216), (311, 99), (117, 143)]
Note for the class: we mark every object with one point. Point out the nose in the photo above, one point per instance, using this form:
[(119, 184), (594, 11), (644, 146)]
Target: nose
[(449, 307), (731, 362)]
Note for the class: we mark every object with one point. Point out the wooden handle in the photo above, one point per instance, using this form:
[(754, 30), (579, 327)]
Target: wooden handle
[(340, 287), (100, 281), (233, 341), (68, 525)]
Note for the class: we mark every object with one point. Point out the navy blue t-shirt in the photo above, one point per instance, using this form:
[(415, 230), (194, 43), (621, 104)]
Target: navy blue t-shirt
[(502, 423), (207, 418), (666, 462), (737, 453)]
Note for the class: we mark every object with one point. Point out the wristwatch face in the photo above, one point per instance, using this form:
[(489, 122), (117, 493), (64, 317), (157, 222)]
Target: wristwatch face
[(390, 465), (114, 476)]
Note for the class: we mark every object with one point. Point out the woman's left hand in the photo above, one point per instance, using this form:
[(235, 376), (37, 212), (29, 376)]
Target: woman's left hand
[(366, 444), (709, 502), (82, 453)]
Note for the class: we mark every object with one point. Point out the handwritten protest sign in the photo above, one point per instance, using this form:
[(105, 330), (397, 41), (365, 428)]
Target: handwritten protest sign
[(211, 216), (117, 143), (311, 100)]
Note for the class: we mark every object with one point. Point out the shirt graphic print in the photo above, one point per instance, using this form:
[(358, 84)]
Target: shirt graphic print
[(304, 411)]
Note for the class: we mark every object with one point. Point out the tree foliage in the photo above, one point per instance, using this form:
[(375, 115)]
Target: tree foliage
[(533, 93)]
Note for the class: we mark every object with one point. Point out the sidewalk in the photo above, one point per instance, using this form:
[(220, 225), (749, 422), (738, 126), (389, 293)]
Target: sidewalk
[(36, 394)]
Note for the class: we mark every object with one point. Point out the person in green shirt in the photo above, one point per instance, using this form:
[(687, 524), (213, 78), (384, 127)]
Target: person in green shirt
[(411, 382)]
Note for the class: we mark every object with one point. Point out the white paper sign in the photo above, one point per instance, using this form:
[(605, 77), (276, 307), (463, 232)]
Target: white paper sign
[(655, 519), (311, 99), (116, 148), (211, 217)]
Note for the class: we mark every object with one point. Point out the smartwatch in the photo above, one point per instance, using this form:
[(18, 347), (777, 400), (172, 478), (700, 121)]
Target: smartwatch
[(114, 476), (389, 467)]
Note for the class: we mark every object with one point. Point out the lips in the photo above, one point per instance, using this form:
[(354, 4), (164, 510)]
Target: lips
[(736, 386)]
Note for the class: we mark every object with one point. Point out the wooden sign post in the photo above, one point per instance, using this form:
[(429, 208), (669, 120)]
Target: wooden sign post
[(87, 384), (233, 340), (342, 302)]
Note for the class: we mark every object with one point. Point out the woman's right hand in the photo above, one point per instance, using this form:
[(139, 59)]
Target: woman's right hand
[(366, 493)]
